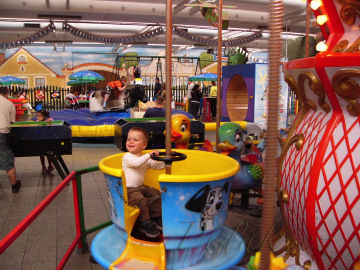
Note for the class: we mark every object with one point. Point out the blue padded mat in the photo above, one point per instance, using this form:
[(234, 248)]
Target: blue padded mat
[(83, 117)]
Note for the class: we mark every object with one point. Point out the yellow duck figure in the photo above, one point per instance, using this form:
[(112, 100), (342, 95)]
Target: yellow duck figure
[(180, 131)]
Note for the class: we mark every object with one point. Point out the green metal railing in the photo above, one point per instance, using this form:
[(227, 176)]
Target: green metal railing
[(84, 231), (81, 231)]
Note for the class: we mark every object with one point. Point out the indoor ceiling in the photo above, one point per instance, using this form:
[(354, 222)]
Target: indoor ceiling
[(21, 18)]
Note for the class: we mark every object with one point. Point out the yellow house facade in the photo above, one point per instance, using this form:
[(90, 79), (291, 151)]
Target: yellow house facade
[(22, 64)]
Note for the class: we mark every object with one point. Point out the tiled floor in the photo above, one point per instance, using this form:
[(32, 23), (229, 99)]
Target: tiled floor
[(43, 244)]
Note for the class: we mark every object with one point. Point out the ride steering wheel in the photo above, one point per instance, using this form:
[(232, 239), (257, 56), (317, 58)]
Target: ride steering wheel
[(168, 160)]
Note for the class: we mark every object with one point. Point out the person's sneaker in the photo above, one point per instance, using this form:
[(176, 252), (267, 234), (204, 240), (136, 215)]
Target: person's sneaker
[(158, 223), (15, 188), (43, 171), (50, 169), (149, 229)]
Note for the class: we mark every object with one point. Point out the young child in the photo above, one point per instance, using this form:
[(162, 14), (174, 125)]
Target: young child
[(26, 105), (146, 198), (43, 115), (112, 86)]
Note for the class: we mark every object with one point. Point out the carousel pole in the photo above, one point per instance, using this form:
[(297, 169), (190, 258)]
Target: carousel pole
[(271, 163), (308, 12), (218, 101), (168, 92)]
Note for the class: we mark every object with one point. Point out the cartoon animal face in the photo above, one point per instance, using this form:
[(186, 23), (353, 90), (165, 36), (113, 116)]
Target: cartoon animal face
[(180, 130), (209, 202), (231, 137), (214, 202)]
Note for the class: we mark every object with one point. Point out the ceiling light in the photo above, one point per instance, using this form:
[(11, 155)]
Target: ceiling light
[(315, 4), (86, 43), (107, 27), (321, 19), (321, 46)]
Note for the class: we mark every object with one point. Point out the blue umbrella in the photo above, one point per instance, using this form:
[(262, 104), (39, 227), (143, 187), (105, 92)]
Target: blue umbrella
[(9, 80), (86, 75), (203, 77), (77, 82)]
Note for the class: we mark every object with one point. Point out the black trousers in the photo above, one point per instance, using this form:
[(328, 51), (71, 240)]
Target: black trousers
[(213, 106), (194, 108)]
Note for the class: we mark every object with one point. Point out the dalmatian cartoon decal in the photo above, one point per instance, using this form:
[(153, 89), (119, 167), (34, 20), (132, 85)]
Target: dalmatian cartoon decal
[(209, 202)]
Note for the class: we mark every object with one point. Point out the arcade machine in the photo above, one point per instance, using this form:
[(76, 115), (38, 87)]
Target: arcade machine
[(42, 138)]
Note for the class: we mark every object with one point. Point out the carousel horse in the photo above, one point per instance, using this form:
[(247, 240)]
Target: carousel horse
[(233, 144), (120, 100)]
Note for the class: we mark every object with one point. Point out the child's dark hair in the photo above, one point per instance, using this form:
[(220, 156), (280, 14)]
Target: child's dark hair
[(44, 113), (143, 131)]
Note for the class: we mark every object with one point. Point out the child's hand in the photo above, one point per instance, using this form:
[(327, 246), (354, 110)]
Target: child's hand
[(155, 152)]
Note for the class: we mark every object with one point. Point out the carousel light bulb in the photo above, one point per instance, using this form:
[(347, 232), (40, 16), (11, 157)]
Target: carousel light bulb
[(321, 19), (315, 4), (321, 46)]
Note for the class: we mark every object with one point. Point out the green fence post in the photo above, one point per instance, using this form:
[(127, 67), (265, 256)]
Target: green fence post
[(81, 215)]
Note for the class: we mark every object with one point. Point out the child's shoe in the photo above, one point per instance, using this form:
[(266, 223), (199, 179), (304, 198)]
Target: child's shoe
[(149, 229), (158, 223), (15, 188), (44, 170)]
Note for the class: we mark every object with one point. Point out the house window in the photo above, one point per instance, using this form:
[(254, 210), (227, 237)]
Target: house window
[(39, 82), (22, 59)]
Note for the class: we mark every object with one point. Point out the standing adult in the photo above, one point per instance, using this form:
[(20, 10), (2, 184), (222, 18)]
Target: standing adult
[(137, 72), (196, 96), (213, 95), (157, 91), (7, 116), (188, 95), (190, 88), (163, 90), (137, 75)]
